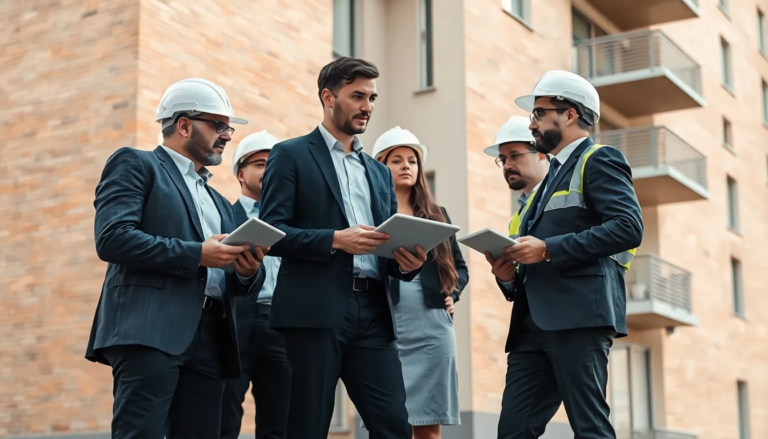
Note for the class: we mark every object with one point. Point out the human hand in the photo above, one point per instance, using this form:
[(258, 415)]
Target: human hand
[(218, 255), (408, 261), (248, 262), (358, 240), (530, 250), (449, 305), (503, 267)]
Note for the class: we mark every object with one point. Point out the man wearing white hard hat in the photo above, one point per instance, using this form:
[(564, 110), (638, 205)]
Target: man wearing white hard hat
[(263, 359), (423, 307), (163, 321), (577, 239)]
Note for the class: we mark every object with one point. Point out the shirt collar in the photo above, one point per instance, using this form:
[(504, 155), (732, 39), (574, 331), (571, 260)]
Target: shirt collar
[(247, 203), (333, 143), (187, 166), (566, 152), (523, 198)]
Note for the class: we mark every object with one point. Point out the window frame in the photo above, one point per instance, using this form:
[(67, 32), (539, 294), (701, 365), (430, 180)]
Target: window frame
[(732, 200), (426, 45), (337, 53), (726, 65), (632, 350), (525, 5), (737, 288)]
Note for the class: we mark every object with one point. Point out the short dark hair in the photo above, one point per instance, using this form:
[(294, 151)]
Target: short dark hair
[(566, 104), (343, 71), (170, 129)]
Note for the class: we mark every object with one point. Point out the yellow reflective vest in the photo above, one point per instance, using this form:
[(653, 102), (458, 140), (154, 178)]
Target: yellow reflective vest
[(572, 197)]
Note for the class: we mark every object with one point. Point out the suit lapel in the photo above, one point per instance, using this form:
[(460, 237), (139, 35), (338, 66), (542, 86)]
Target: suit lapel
[(374, 181), (564, 170), (319, 150), (178, 180), (240, 215)]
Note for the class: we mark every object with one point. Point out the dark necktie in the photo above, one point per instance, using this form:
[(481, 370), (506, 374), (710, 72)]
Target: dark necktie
[(554, 165)]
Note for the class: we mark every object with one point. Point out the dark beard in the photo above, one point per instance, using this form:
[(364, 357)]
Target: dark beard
[(516, 186), (549, 139), (198, 148), (345, 126)]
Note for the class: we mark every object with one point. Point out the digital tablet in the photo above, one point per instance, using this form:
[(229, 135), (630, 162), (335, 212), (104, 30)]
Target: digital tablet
[(255, 233), (408, 232), (488, 240)]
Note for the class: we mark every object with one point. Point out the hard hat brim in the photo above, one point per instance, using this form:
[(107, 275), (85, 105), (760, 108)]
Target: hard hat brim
[(238, 120), (236, 163), (526, 102), (492, 150), (421, 150)]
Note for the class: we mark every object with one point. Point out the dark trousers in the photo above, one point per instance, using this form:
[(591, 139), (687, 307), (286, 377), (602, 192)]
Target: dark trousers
[(159, 395), (545, 368), (264, 362), (363, 354)]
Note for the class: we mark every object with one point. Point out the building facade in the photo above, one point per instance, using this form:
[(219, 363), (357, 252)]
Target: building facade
[(684, 89)]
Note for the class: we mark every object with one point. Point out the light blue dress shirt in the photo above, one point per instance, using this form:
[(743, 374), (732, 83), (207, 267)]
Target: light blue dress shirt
[(356, 194), (271, 264), (210, 219)]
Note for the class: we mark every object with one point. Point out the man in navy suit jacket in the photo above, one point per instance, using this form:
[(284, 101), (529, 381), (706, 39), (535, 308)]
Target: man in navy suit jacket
[(331, 300), (164, 319)]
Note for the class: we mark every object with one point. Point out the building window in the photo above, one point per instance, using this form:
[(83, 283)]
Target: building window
[(737, 287), (743, 403), (431, 182), (343, 28), (724, 6), (725, 64), (582, 28), (426, 61), (733, 207), (519, 9), (629, 389), (727, 134), (765, 102), (761, 31), (339, 416)]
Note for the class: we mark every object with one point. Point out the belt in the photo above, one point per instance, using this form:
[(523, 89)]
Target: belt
[(263, 309), (209, 303), (367, 285)]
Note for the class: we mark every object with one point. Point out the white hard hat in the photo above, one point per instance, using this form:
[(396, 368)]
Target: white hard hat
[(398, 137), (252, 143), (514, 130), (562, 84), (195, 96)]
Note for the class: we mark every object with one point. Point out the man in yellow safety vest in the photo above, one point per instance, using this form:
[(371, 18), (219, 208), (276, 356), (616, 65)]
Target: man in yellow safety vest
[(576, 237)]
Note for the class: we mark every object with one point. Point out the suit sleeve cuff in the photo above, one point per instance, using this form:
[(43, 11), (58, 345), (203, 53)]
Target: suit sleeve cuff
[(247, 280)]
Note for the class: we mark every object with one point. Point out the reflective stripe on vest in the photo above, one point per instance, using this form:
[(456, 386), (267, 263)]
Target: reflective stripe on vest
[(573, 197), (514, 224)]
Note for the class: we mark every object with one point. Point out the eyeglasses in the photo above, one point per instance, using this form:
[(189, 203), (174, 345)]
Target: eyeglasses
[(537, 114), (221, 127), (501, 160)]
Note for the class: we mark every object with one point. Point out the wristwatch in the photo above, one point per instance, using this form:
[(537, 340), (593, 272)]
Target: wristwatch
[(546, 254)]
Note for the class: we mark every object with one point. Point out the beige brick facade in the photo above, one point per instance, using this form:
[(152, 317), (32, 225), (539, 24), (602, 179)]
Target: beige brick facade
[(80, 79)]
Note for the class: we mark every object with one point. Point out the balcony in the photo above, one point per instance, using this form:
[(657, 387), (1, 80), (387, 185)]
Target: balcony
[(665, 168), (656, 433), (640, 73), (658, 295), (633, 14)]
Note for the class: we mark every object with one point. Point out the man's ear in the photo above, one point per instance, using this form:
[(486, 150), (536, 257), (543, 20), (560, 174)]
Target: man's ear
[(327, 97)]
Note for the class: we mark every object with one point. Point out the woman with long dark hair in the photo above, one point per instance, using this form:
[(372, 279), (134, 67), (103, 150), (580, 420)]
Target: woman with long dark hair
[(424, 306)]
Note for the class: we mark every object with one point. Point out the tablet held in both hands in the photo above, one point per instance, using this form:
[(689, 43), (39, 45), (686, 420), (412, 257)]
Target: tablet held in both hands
[(488, 240), (255, 233), (408, 232)]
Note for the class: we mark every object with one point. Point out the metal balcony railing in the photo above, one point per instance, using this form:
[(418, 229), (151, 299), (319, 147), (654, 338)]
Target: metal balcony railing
[(651, 278), (656, 433), (657, 146), (636, 51)]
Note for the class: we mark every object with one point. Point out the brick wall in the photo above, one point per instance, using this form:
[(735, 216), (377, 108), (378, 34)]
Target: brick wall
[(67, 100)]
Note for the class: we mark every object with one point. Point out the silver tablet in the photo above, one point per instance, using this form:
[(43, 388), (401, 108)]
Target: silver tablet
[(488, 240), (255, 233), (408, 232)]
